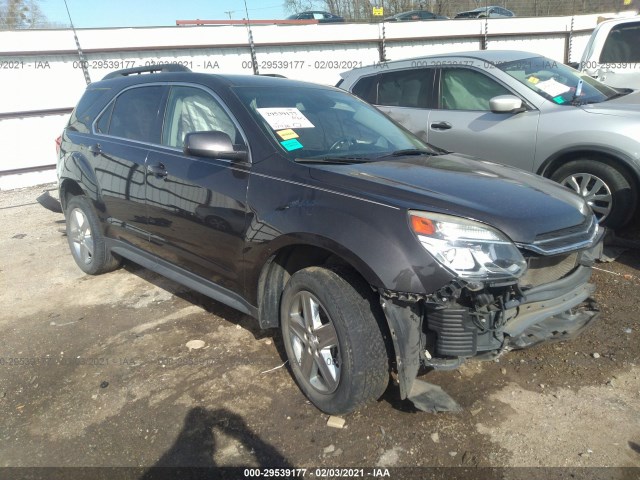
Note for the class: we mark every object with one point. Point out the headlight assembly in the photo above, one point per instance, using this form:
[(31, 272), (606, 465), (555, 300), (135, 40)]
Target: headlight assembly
[(470, 249)]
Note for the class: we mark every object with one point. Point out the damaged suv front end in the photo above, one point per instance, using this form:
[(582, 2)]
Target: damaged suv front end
[(504, 296)]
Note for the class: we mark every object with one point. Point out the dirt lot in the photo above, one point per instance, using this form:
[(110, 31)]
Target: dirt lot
[(96, 371)]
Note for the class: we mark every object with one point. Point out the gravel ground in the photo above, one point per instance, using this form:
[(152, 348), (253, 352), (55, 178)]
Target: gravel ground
[(98, 372)]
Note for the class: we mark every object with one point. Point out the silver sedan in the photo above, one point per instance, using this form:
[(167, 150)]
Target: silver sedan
[(519, 109)]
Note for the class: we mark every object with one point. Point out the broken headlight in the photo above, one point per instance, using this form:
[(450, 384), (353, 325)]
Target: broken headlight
[(470, 249)]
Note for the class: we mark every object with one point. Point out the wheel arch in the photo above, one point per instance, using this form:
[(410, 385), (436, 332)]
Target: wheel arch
[(290, 258), (609, 155), (69, 188), (75, 169)]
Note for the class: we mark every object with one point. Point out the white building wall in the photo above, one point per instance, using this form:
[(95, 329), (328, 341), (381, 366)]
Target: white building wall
[(40, 69)]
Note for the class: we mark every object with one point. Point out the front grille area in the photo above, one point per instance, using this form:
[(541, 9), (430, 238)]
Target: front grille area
[(565, 240), (542, 270), (455, 337)]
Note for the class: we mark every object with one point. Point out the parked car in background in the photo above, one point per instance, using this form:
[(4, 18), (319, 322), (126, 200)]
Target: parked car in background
[(519, 109), (486, 12), (308, 209), (321, 17), (612, 54), (414, 15)]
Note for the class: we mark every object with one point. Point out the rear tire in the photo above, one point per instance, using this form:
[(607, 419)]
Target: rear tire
[(85, 238), (331, 327), (604, 186)]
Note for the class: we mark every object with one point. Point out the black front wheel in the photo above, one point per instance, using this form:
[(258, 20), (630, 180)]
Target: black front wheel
[(331, 327)]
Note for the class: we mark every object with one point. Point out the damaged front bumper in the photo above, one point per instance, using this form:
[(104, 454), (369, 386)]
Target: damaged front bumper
[(466, 320)]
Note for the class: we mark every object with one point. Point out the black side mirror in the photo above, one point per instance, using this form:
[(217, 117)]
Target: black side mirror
[(212, 144)]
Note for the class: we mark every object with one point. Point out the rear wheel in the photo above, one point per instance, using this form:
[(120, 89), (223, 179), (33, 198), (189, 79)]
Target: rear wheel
[(331, 328), (86, 240), (605, 188)]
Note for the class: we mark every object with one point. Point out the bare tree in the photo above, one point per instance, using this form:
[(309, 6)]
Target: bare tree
[(15, 14), (295, 6)]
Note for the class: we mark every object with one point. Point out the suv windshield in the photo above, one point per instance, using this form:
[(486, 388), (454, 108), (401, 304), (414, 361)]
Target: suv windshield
[(324, 124), (557, 82)]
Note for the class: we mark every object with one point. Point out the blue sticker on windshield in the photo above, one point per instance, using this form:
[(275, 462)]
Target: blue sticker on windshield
[(559, 99), (292, 144)]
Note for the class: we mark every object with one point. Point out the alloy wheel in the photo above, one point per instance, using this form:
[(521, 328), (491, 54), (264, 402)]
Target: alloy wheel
[(314, 342)]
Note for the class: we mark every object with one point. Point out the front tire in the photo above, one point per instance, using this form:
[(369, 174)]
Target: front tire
[(331, 327), (85, 238), (606, 188)]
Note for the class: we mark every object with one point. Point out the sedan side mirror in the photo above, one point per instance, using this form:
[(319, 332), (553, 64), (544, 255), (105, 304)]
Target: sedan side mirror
[(506, 104), (212, 144)]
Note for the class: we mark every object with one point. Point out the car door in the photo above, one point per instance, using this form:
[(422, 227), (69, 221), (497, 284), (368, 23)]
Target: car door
[(404, 95), (464, 123), (197, 205), (124, 131)]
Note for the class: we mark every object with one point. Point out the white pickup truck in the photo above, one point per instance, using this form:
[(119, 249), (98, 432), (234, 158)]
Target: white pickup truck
[(612, 54)]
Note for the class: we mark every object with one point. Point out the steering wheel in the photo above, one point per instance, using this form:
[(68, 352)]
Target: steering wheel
[(342, 144)]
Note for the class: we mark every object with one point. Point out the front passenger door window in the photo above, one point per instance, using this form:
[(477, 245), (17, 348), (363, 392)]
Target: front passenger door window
[(465, 89), (191, 109)]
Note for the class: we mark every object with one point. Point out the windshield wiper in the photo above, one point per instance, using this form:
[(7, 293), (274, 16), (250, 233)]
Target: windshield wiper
[(334, 160), (619, 94), (414, 151)]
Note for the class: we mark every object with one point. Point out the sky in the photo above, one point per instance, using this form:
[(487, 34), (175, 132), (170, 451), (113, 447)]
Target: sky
[(141, 13)]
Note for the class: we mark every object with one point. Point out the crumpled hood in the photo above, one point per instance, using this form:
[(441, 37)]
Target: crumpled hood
[(519, 204)]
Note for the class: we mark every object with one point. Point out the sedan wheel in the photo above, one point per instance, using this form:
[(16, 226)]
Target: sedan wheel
[(594, 191), (606, 186)]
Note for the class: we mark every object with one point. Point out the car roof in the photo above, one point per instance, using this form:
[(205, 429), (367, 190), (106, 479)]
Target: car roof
[(480, 9), (489, 56), (208, 79), (410, 12), (485, 55), (616, 21)]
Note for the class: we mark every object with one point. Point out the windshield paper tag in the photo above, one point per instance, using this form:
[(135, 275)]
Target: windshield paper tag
[(285, 118), (287, 134), (292, 144), (552, 87), (559, 99)]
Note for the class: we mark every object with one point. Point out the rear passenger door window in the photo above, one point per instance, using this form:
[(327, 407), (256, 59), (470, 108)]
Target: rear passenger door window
[(134, 115), (407, 96), (405, 88), (366, 89)]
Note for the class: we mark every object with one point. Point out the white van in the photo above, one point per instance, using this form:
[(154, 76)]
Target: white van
[(612, 54)]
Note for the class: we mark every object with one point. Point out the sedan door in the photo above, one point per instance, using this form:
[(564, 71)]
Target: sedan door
[(197, 205), (404, 95), (464, 122)]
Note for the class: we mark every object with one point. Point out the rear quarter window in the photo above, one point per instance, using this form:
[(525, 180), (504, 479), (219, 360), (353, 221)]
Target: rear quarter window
[(93, 100)]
